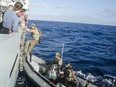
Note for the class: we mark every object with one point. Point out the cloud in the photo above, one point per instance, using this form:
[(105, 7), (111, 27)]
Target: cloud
[(39, 5), (74, 18), (110, 12), (60, 6), (69, 16), (49, 14)]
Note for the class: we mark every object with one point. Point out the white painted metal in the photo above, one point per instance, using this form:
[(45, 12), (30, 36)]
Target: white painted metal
[(9, 48)]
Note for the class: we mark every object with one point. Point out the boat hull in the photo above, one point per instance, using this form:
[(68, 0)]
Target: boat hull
[(34, 68), (9, 63), (34, 75)]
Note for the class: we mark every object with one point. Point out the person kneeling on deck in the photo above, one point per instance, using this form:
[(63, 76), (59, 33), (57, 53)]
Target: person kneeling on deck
[(36, 34)]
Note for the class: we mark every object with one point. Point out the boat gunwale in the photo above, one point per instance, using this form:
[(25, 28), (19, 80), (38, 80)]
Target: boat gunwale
[(39, 74)]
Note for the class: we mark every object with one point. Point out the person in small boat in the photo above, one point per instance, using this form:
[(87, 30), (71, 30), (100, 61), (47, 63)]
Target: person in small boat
[(60, 78), (36, 34), (69, 75), (57, 60)]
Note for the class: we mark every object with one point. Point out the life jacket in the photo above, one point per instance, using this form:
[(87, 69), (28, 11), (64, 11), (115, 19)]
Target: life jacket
[(36, 34), (58, 62), (71, 75)]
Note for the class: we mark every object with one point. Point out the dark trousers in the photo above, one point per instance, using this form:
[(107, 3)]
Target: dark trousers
[(4, 30)]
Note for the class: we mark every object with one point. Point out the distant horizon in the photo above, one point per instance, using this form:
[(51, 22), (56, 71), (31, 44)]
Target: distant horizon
[(71, 22), (101, 12)]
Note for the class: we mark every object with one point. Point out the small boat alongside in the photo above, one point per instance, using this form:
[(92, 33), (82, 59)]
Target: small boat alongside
[(34, 73), (37, 70)]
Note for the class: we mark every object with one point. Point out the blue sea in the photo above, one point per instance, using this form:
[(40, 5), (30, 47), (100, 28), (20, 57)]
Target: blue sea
[(88, 47)]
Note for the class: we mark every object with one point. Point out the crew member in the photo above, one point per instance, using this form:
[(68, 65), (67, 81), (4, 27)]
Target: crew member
[(57, 60), (36, 34), (10, 19), (69, 75)]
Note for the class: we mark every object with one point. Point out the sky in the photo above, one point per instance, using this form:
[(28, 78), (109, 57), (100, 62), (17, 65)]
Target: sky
[(80, 11)]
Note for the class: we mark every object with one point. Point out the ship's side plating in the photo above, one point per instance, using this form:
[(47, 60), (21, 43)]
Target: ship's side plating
[(9, 58), (10, 49)]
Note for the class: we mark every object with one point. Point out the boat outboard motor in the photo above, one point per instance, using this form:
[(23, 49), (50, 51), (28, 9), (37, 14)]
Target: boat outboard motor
[(52, 73)]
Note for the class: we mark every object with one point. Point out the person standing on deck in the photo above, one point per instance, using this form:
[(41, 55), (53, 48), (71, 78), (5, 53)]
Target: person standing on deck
[(11, 7), (10, 19), (36, 34)]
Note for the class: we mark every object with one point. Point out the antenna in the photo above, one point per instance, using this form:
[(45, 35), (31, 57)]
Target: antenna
[(62, 50)]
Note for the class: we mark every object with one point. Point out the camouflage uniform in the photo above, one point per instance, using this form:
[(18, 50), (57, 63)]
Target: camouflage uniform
[(57, 60), (36, 34)]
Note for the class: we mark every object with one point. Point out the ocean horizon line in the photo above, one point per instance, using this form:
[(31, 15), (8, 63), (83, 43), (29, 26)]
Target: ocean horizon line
[(73, 22)]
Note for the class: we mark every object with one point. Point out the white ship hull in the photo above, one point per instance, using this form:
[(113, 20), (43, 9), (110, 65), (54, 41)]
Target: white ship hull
[(9, 50)]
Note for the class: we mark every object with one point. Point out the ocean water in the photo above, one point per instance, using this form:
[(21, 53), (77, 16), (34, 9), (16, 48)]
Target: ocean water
[(89, 48)]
